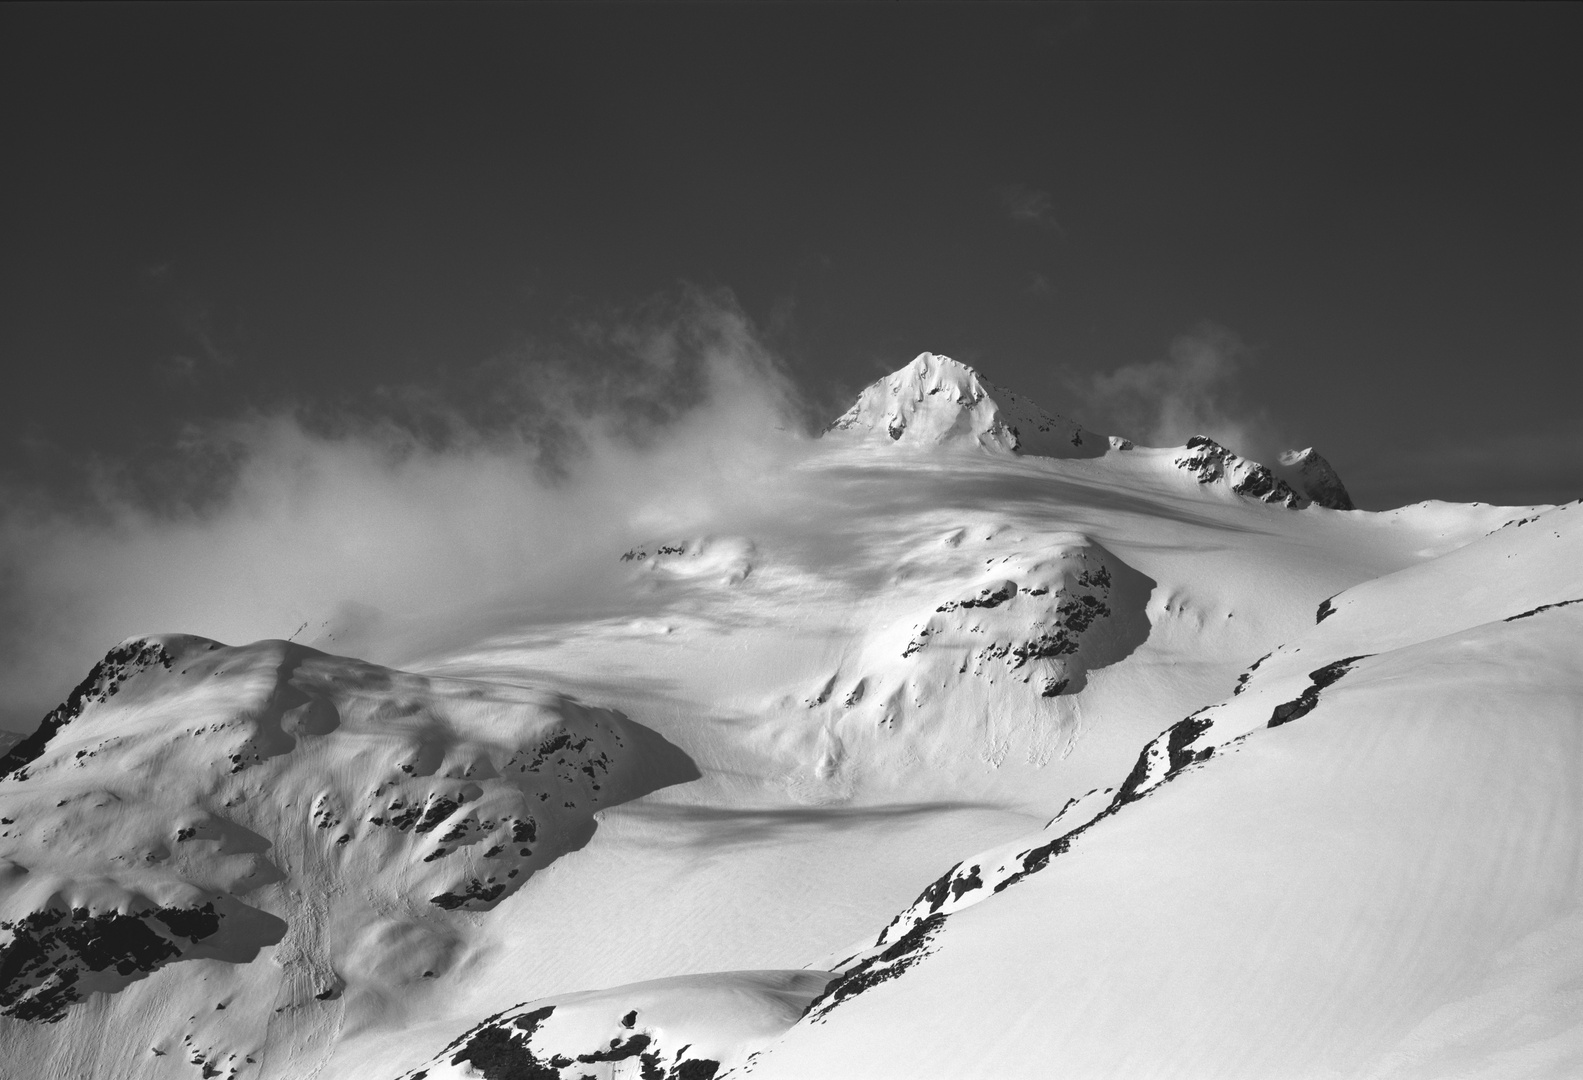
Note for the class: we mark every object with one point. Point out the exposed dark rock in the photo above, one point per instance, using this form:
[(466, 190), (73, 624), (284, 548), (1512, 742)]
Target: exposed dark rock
[(498, 1052), (50, 949), (1313, 476), (440, 807), (1305, 702), (619, 1050), (988, 597), (936, 891), (476, 891), (1179, 739), (1543, 607), (104, 680), (892, 963), (1209, 462), (966, 883), (639, 554), (1242, 680), (498, 1055)]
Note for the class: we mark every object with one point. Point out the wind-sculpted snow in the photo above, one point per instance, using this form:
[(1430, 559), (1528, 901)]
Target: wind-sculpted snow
[(936, 402), (193, 800), (695, 1027)]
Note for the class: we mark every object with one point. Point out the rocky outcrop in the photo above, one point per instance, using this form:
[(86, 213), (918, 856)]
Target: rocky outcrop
[(1210, 463), (43, 966), (103, 682), (1313, 476), (693, 1027)]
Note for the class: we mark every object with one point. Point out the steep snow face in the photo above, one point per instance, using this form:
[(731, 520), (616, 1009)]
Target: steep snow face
[(193, 801), (1313, 476), (936, 402)]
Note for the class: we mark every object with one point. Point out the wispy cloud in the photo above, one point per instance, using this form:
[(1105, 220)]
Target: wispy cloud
[(192, 320), (1192, 390), (1029, 206), (520, 481)]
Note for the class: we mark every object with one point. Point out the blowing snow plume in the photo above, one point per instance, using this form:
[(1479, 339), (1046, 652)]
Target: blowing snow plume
[(515, 480), (1192, 391)]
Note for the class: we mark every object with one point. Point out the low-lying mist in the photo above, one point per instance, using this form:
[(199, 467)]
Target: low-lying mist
[(420, 505), (515, 483)]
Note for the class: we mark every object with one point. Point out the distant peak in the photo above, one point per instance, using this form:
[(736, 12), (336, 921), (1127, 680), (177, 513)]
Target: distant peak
[(937, 401), (1302, 477), (1312, 475)]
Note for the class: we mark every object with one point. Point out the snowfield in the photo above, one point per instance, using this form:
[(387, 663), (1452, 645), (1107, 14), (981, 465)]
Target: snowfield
[(995, 748)]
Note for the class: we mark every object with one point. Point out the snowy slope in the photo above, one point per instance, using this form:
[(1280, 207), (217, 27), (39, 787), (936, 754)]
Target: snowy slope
[(916, 653), (202, 802), (1364, 864), (1365, 869)]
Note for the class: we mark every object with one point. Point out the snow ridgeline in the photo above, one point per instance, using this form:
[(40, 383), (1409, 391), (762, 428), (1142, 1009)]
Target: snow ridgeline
[(937, 403), (191, 801)]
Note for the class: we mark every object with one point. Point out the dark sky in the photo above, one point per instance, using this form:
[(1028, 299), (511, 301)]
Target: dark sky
[(214, 208)]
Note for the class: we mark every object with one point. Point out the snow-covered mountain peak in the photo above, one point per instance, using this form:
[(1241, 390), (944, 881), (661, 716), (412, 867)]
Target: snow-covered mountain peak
[(1314, 477), (938, 402)]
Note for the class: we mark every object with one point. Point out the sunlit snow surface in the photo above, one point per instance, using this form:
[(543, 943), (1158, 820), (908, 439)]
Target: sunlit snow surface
[(1001, 761)]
